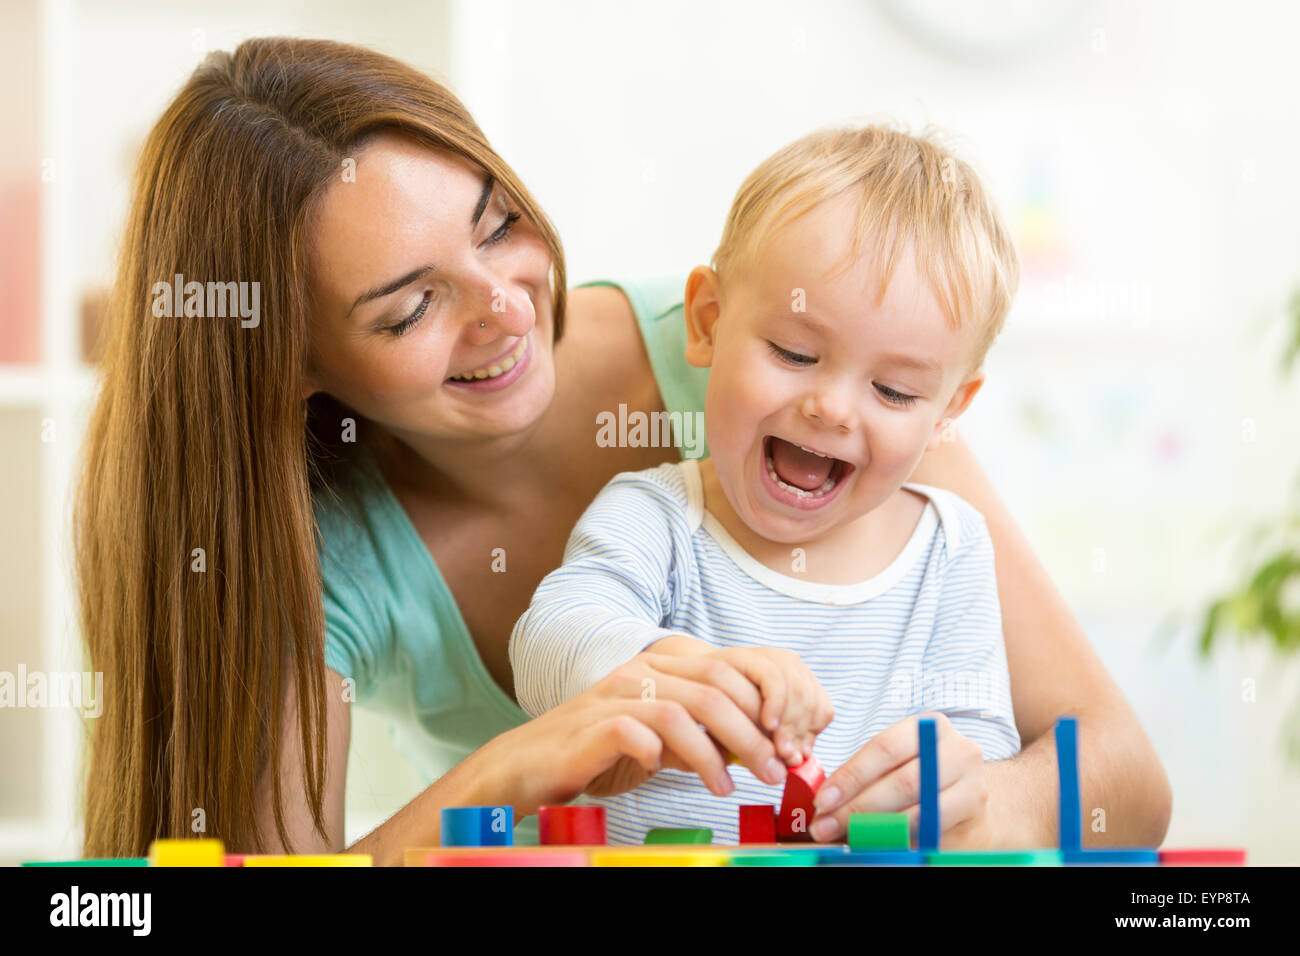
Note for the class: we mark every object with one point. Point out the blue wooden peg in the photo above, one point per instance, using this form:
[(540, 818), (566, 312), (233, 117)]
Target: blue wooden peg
[(1067, 764), (928, 829)]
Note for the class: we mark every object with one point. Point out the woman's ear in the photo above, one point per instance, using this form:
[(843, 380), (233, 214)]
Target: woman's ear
[(702, 308)]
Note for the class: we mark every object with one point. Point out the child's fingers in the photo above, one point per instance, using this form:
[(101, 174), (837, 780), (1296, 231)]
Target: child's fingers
[(787, 746), (961, 801), (764, 674), (891, 748), (714, 671)]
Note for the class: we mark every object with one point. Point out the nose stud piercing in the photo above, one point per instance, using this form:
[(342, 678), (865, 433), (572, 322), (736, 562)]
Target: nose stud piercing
[(482, 325)]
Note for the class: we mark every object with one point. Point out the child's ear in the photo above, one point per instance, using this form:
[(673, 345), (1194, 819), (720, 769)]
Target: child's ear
[(959, 402), (702, 307)]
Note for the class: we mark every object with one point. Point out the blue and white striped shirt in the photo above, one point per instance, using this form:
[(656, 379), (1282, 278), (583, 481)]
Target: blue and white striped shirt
[(646, 561)]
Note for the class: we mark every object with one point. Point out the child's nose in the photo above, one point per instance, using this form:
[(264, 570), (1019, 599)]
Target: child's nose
[(831, 408)]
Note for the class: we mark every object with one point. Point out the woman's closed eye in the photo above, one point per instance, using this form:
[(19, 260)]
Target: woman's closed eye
[(501, 234), (401, 328), (503, 231)]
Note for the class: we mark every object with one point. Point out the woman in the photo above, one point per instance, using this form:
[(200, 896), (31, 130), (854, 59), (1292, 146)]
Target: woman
[(418, 388)]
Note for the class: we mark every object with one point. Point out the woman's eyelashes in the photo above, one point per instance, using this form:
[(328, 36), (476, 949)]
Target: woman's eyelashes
[(501, 234), (405, 325), (503, 230)]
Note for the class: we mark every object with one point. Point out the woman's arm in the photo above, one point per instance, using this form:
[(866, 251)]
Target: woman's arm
[(1054, 671), (605, 741), (416, 824)]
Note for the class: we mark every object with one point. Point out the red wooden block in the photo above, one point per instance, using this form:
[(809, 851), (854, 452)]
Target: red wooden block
[(571, 826), (797, 802), (1197, 856), (758, 823)]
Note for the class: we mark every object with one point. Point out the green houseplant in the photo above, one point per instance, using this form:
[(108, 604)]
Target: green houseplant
[(1265, 606)]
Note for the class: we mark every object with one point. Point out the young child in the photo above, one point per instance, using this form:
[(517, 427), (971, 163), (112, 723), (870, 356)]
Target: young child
[(862, 276)]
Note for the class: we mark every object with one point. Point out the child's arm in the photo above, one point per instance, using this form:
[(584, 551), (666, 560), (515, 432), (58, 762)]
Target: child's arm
[(594, 620), (603, 605)]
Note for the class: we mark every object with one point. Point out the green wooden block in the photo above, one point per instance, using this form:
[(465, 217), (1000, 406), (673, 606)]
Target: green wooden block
[(995, 858), (680, 836), (775, 858), (878, 831), (124, 861)]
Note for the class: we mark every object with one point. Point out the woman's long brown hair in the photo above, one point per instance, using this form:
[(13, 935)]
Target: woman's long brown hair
[(201, 439)]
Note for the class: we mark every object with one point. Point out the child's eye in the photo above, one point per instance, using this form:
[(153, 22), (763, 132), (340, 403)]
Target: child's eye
[(794, 358), (893, 397)]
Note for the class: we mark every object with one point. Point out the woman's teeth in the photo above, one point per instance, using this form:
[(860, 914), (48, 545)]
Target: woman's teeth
[(826, 486), (492, 371)]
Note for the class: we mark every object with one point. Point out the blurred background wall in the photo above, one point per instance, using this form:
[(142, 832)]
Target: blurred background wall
[(1134, 418)]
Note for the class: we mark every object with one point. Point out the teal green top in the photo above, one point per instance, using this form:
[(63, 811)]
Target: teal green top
[(392, 625)]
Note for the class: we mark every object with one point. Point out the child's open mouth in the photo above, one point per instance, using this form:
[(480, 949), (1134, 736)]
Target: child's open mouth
[(799, 476)]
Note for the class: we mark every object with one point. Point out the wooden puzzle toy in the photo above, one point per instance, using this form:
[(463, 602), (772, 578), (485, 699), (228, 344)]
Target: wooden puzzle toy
[(575, 835)]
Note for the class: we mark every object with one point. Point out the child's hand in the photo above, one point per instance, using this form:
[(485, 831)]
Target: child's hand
[(885, 777), (795, 707)]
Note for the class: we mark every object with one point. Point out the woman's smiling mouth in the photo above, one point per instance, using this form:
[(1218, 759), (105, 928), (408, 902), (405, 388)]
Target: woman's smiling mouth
[(498, 373)]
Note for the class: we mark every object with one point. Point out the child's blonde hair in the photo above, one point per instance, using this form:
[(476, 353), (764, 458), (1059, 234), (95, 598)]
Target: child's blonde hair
[(912, 191)]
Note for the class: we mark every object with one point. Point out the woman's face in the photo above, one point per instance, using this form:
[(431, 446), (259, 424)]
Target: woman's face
[(431, 302)]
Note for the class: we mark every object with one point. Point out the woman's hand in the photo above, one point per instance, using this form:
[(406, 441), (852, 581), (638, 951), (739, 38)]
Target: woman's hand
[(885, 777), (655, 711)]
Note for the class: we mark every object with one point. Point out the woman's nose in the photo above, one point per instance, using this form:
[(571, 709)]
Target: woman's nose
[(497, 311)]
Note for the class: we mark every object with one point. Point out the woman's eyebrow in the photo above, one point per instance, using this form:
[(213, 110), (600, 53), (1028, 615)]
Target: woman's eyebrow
[(388, 288), (483, 198)]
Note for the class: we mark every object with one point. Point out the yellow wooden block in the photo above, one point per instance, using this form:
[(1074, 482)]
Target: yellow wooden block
[(187, 853), (308, 859), (658, 856)]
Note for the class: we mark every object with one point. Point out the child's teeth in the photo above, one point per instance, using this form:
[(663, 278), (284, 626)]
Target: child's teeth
[(826, 485)]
